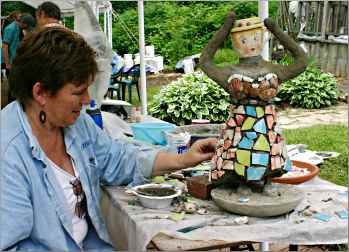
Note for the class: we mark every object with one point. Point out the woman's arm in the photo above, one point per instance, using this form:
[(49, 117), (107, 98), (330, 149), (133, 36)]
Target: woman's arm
[(301, 60), (200, 151)]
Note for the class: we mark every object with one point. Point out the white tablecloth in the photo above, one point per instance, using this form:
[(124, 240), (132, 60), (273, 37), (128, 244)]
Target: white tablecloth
[(132, 227)]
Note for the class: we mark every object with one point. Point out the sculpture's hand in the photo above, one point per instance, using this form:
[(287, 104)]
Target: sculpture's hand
[(270, 24), (229, 19)]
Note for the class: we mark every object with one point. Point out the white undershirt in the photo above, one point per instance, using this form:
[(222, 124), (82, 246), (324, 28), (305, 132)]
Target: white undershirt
[(80, 227)]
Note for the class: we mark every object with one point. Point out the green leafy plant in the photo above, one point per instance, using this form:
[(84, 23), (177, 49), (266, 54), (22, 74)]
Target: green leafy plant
[(311, 89), (194, 96)]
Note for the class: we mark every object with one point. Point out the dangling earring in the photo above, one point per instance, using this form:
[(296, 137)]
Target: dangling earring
[(42, 117)]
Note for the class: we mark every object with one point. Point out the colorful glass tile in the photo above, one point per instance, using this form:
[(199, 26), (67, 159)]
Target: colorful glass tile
[(262, 144), (260, 158), (219, 151), (269, 109), (275, 162), (246, 143), (239, 169), (260, 112), (270, 121), (243, 156), (227, 144), (276, 149), (231, 154), (288, 165), (255, 173), (219, 163), (272, 136), (248, 123), (251, 111), (237, 137), (260, 126), (224, 155), (231, 122), (239, 119), (228, 134), (251, 135), (240, 110), (284, 150), (228, 165)]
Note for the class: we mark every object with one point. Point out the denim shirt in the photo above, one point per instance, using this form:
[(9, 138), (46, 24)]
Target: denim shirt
[(33, 211)]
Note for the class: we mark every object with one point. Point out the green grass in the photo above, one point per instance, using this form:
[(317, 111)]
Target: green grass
[(325, 138), (151, 91)]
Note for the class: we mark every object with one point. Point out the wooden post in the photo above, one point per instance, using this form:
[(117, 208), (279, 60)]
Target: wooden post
[(324, 19)]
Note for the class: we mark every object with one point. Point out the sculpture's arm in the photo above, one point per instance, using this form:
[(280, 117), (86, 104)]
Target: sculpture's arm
[(207, 55), (300, 58)]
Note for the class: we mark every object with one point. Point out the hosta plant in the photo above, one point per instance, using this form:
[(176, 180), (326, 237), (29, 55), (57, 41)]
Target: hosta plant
[(193, 96), (311, 89)]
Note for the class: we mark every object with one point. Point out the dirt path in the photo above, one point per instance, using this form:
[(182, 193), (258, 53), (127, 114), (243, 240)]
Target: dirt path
[(296, 118)]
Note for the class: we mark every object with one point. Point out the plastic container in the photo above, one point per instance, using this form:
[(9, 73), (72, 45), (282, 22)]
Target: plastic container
[(178, 142), (151, 132), (95, 113)]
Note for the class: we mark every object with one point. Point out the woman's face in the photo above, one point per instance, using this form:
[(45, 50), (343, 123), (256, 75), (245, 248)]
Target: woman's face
[(248, 43), (63, 108)]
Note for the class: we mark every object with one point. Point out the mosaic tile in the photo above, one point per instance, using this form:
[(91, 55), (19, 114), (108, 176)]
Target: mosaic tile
[(219, 151), (269, 109), (239, 119), (272, 137), (228, 165), (243, 157), (246, 143), (260, 126), (251, 111), (237, 137), (276, 149), (255, 173), (275, 162), (231, 122), (239, 169), (260, 158), (227, 144), (270, 121), (219, 163), (229, 134), (251, 135), (248, 123), (262, 144), (240, 110), (230, 154), (225, 155), (260, 112)]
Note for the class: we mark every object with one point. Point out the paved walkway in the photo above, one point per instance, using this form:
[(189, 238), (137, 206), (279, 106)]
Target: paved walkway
[(296, 118)]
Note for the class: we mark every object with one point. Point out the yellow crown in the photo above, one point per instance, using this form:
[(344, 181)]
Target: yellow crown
[(247, 24)]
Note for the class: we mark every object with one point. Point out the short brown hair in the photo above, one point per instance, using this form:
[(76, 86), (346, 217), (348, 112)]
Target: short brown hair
[(52, 56)]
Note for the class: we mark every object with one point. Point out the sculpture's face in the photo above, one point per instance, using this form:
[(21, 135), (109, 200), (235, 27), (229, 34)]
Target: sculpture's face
[(248, 43)]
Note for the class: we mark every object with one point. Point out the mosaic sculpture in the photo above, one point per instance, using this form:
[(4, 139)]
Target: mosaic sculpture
[(251, 149)]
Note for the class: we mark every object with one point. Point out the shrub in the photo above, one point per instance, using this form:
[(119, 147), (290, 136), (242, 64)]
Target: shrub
[(311, 89), (194, 96)]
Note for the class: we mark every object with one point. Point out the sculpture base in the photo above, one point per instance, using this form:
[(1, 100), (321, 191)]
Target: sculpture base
[(276, 199)]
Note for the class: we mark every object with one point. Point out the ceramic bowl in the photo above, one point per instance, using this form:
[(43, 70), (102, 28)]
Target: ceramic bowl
[(313, 171), (156, 202)]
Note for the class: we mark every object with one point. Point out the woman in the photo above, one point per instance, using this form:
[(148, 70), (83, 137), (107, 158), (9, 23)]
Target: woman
[(53, 156)]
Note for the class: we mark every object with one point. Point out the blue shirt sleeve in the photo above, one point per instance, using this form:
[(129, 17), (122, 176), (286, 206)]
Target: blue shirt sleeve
[(121, 162), (8, 34), (16, 218)]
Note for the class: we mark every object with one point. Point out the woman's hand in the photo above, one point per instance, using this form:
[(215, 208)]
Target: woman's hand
[(200, 151)]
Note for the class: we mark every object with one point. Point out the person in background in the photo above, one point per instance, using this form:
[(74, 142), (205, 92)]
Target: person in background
[(48, 14), (14, 15), (29, 24), (54, 158), (11, 40)]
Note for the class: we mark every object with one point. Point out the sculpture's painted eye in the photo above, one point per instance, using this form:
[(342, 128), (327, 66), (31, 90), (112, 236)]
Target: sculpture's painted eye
[(243, 40)]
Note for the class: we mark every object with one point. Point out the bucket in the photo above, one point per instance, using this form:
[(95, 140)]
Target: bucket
[(188, 66), (151, 132)]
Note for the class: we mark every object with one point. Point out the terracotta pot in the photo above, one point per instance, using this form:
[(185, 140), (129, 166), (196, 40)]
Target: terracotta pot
[(314, 170)]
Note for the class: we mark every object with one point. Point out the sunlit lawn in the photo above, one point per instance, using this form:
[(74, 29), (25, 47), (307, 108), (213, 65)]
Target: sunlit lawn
[(325, 138)]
